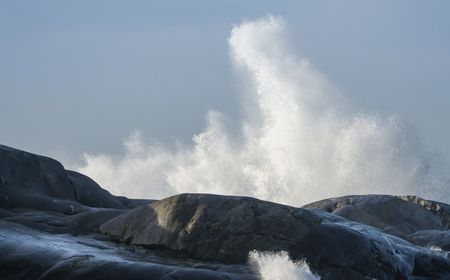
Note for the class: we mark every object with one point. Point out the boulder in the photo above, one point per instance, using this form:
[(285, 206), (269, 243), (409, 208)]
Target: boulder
[(390, 214), (32, 181), (435, 239), (89, 193), (56, 223), (133, 202), (439, 209), (227, 228)]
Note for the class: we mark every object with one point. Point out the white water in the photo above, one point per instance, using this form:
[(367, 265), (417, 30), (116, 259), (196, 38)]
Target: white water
[(296, 145), (278, 266)]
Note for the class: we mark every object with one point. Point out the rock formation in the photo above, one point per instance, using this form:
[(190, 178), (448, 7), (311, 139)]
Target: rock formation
[(56, 223)]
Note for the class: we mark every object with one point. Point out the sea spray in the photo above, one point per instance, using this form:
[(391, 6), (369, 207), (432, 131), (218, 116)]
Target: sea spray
[(278, 266), (296, 144)]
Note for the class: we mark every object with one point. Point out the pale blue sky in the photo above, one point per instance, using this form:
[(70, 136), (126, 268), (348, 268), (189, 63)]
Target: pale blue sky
[(80, 76)]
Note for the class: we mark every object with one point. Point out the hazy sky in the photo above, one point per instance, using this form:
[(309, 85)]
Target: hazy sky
[(81, 76)]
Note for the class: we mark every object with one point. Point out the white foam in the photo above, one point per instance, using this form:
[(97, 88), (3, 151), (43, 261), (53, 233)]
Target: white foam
[(278, 266), (296, 144)]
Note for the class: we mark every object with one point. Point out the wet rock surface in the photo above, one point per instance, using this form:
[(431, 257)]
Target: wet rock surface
[(396, 215), (60, 224), (32, 254)]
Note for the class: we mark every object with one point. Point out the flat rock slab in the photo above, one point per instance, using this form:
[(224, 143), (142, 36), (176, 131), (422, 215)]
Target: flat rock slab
[(30, 254)]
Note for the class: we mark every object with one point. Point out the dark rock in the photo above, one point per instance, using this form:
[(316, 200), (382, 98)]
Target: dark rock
[(31, 181), (431, 266), (55, 222), (58, 224), (224, 228), (388, 213), (89, 193), (30, 254), (437, 239), (440, 209), (208, 226), (133, 202)]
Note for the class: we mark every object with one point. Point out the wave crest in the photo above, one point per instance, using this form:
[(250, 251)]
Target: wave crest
[(295, 144)]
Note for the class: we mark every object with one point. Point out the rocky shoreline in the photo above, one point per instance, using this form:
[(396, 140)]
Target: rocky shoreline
[(56, 223)]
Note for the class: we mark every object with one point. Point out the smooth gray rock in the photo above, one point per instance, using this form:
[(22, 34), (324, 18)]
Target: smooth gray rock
[(437, 239), (29, 254), (390, 214), (439, 209), (55, 222), (133, 202), (89, 193), (226, 228), (32, 181), (51, 220)]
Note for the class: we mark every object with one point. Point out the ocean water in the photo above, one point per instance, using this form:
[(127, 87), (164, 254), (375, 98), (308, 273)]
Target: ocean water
[(297, 143)]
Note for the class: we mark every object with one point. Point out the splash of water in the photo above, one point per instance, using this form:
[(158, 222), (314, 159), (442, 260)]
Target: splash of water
[(278, 266), (295, 144)]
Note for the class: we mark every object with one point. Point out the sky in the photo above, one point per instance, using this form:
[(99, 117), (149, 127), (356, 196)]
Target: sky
[(81, 76)]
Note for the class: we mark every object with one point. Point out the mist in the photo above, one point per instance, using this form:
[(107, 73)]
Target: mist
[(278, 266)]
